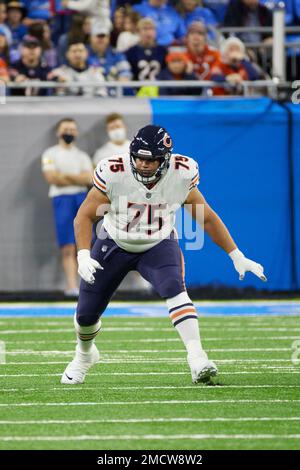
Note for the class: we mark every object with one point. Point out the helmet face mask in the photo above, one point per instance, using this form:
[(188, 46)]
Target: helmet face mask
[(161, 170), (151, 143)]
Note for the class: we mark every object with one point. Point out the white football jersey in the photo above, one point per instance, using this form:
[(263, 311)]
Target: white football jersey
[(139, 218)]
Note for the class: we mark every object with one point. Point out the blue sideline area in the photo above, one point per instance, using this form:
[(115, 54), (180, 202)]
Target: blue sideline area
[(156, 310), (241, 146)]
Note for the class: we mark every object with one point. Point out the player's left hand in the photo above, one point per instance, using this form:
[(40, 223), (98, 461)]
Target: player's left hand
[(243, 264)]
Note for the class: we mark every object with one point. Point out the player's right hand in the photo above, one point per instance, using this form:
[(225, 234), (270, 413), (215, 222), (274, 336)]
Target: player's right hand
[(87, 266)]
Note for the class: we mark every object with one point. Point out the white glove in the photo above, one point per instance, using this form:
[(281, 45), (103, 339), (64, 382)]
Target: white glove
[(87, 266), (243, 264)]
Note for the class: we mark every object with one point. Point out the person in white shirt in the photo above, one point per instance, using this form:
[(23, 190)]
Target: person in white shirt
[(98, 9), (129, 37), (68, 170), (118, 143), (77, 70)]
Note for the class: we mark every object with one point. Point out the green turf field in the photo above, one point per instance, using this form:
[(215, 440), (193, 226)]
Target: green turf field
[(141, 395)]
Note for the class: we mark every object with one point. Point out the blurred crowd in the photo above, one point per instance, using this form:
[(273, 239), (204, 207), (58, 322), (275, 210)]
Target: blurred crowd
[(90, 42)]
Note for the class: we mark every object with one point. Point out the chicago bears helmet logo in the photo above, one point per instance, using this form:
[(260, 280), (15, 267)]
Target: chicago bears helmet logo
[(167, 141)]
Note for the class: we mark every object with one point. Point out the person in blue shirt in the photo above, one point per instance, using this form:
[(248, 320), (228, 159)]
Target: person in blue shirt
[(193, 10), (146, 58), (296, 8), (218, 7), (16, 12), (169, 24), (114, 64), (38, 10)]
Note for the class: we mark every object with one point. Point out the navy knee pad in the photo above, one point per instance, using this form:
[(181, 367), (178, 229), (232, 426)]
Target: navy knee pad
[(89, 308), (170, 288)]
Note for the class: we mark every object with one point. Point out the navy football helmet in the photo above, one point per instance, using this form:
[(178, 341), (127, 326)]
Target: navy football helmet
[(151, 143)]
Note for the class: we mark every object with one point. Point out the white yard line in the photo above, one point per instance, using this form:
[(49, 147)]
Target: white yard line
[(149, 420), (240, 372), (148, 402), (102, 340), (139, 351), (167, 437), (161, 361), (147, 329), (79, 388)]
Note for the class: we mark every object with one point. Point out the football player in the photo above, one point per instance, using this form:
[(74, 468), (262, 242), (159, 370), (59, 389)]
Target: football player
[(139, 193)]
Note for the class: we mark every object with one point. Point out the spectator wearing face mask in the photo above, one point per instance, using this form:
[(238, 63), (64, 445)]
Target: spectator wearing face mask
[(233, 69), (68, 171), (118, 144)]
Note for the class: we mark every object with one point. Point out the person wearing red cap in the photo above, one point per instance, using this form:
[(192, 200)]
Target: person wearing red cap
[(202, 56), (177, 69)]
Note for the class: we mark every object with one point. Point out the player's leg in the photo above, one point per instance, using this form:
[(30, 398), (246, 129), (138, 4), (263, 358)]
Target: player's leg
[(163, 266), (64, 212), (92, 302)]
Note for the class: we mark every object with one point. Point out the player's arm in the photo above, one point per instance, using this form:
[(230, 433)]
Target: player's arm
[(201, 211), (92, 208)]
